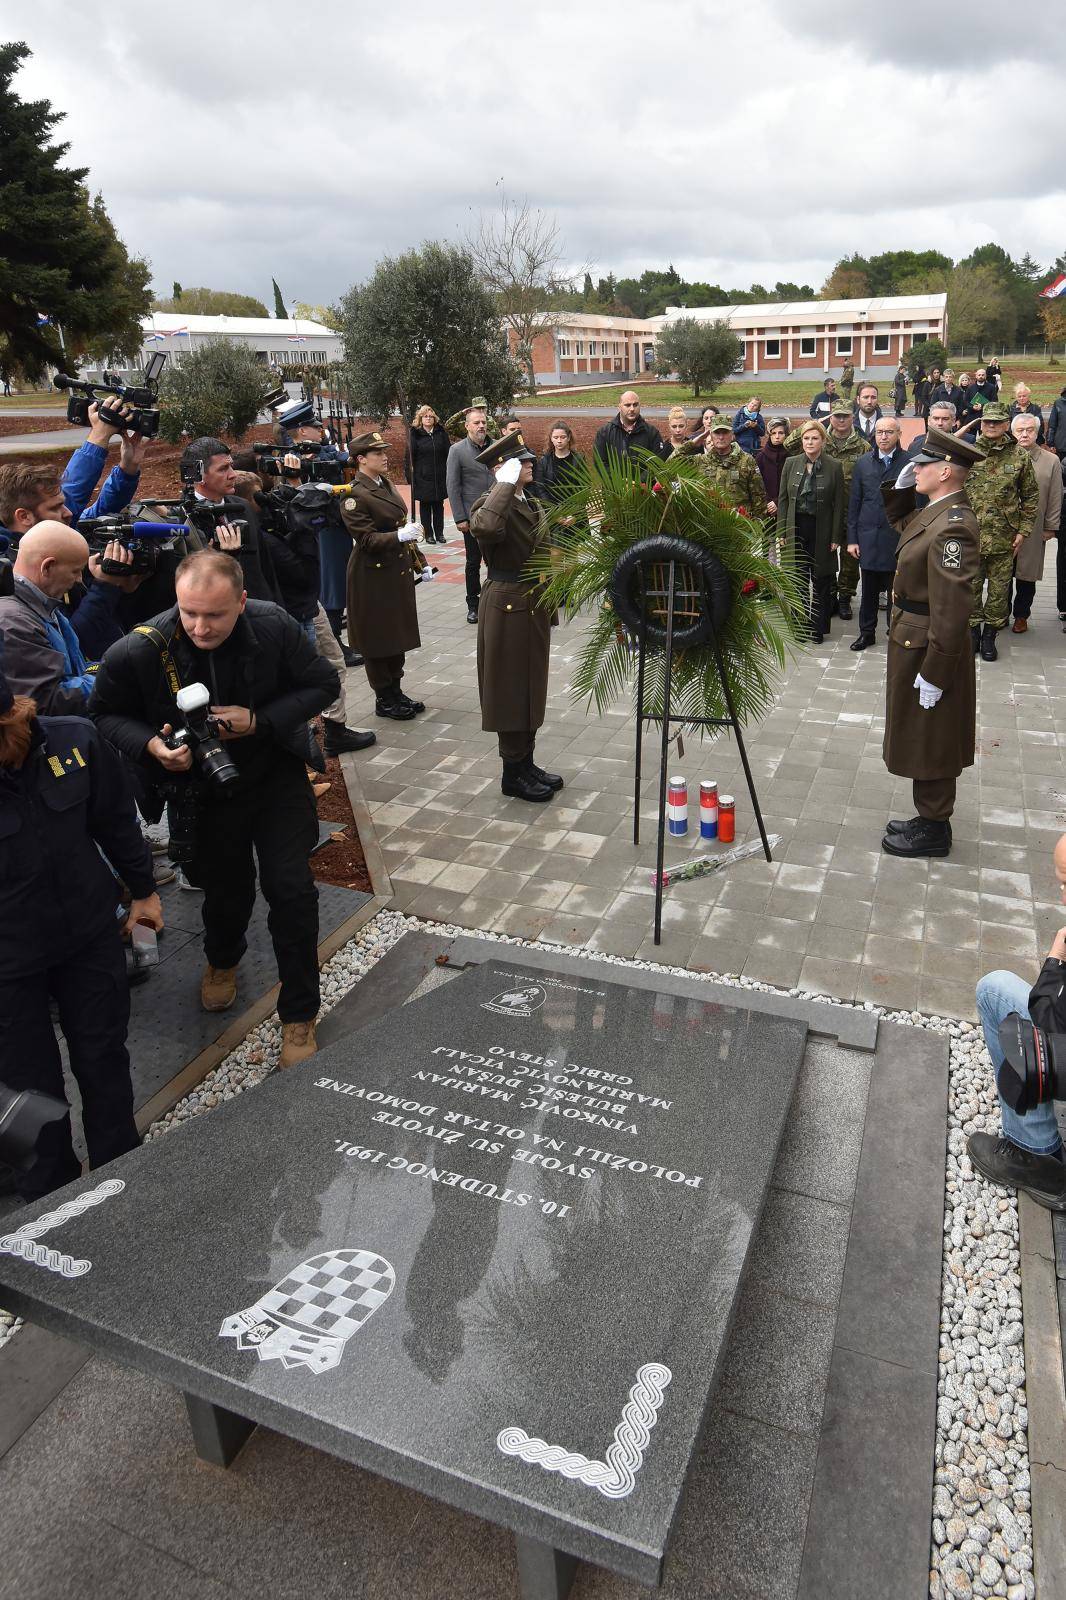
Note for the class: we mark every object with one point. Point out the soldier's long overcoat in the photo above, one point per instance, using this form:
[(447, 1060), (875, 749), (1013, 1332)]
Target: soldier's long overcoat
[(382, 613), (935, 566), (513, 628)]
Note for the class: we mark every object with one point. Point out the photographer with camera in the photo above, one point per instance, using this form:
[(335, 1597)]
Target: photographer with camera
[(1030, 1072), (65, 804), (82, 472), (212, 701)]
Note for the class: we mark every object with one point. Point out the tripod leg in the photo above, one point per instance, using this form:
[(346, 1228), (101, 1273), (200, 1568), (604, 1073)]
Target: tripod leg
[(664, 755)]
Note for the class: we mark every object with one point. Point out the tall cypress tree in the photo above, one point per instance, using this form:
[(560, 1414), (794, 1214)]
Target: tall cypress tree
[(279, 303), (60, 257)]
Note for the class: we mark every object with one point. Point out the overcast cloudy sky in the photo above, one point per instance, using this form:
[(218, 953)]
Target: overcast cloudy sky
[(236, 142)]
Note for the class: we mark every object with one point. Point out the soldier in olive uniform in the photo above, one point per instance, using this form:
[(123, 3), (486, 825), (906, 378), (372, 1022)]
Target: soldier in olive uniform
[(732, 472), (513, 628), (845, 444), (382, 615), (1004, 493), (455, 425), (930, 715), (847, 378)]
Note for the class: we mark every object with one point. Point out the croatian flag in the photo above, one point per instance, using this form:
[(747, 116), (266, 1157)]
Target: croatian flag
[(152, 338), (1054, 289), (179, 333), (296, 338)]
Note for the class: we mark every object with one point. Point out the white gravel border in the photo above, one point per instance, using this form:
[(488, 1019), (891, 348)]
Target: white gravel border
[(981, 1523)]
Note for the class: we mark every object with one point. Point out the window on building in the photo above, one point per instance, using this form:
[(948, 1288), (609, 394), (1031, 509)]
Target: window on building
[(882, 344), (581, 347), (773, 349), (843, 344), (616, 347), (592, 347), (808, 347), (564, 347)]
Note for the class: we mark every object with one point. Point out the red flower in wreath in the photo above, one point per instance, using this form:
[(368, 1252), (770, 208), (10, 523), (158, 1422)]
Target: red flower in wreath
[(750, 586)]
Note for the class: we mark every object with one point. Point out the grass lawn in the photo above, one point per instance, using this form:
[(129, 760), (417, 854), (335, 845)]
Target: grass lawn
[(1045, 382), (45, 397)]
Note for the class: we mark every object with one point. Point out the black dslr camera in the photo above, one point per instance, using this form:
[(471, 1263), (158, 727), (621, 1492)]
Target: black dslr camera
[(200, 735), (144, 418), (1034, 1064)]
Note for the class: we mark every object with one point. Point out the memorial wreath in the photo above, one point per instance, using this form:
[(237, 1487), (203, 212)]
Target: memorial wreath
[(614, 536)]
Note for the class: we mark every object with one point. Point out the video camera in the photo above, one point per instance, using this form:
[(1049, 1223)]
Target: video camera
[(269, 459), (143, 539), (144, 418), (1034, 1064)]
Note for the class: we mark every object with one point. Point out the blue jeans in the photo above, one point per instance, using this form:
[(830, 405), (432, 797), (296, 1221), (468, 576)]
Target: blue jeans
[(309, 632), (998, 994)]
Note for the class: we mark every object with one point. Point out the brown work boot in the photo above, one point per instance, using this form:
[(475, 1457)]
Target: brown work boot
[(297, 1042), (218, 988), (1020, 625)]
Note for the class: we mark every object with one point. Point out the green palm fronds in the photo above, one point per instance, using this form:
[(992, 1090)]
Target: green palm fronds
[(610, 507)]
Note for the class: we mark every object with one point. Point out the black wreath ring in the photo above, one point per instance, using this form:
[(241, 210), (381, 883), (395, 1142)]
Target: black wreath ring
[(706, 574)]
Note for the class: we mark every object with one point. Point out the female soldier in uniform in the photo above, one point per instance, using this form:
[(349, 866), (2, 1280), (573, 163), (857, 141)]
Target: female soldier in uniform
[(513, 630), (382, 615)]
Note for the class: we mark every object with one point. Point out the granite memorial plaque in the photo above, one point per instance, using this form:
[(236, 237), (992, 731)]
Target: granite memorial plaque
[(488, 1246)]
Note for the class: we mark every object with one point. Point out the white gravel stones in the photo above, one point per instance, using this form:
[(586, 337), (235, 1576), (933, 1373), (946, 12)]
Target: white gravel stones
[(981, 1523)]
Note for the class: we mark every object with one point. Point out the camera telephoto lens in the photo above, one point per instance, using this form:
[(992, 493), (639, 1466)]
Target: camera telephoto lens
[(214, 763), (1034, 1064)]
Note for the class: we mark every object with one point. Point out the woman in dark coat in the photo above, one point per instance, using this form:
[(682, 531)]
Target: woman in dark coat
[(810, 515), (382, 615), (553, 475), (771, 459), (427, 458)]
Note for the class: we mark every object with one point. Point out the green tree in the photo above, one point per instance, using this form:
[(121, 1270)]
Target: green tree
[(175, 290), (60, 256), (701, 353), (215, 390), (326, 315), (212, 303), (927, 353), (981, 309), (424, 329), (279, 303), (849, 280)]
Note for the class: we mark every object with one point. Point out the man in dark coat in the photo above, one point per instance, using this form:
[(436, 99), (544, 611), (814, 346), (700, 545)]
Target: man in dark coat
[(514, 629), (810, 513), (931, 711), (867, 411), (824, 400), (1056, 426), (629, 431), (382, 614), (467, 478), (871, 537)]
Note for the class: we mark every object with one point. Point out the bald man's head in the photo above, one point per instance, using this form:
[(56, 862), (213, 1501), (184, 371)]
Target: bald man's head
[(53, 557), (629, 406)]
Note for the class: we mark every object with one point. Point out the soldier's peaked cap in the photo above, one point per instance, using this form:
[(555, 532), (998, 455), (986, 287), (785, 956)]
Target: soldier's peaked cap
[(719, 425), (938, 446), (840, 408), (500, 450), (365, 442), (478, 403), (996, 411)]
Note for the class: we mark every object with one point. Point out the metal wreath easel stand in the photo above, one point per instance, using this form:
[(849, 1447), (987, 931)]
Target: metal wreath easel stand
[(699, 594)]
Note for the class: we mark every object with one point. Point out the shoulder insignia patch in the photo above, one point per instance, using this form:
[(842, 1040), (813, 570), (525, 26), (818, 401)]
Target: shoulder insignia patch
[(349, 505), (56, 766), (956, 514), (951, 555)]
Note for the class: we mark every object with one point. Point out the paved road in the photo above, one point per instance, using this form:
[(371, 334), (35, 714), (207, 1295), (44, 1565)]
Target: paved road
[(20, 443)]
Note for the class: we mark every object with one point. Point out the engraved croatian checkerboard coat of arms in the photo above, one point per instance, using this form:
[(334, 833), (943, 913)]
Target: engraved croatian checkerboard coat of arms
[(309, 1316)]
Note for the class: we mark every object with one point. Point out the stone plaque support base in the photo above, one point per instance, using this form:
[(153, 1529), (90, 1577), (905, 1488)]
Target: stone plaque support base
[(218, 1434), (543, 1572)]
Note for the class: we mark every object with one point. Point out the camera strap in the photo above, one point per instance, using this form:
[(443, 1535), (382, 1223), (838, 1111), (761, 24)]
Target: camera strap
[(166, 659)]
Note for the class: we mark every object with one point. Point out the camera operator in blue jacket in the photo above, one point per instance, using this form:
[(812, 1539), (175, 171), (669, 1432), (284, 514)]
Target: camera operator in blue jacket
[(65, 804)]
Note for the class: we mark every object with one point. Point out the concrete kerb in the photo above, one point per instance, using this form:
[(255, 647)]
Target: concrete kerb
[(373, 854), (1045, 1398)]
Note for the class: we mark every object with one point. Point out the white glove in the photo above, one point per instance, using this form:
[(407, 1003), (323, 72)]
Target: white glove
[(410, 533), (427, 573), (906, 477), (928, 693), (510, 472)]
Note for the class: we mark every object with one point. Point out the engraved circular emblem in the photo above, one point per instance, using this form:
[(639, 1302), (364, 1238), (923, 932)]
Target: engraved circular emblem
[(349, 505)]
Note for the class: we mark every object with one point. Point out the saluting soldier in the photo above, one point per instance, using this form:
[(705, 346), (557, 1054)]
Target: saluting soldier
[(930, 715), (513, 628), (732, 471), (382, 614)]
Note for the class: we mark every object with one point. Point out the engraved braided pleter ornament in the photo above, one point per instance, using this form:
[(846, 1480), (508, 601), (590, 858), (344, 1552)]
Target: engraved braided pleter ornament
[(23, 1241), (616, 1476)]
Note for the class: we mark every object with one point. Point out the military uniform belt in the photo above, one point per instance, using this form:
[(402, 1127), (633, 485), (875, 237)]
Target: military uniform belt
[(498, 575), (919, 607)]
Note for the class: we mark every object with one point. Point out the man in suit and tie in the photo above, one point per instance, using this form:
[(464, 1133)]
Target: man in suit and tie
[(871, 537), (867, 411)]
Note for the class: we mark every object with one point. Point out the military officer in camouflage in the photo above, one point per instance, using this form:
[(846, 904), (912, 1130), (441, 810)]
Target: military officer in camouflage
[(455, 425), (1004, 494), (732, 471), (845, 444), (847, 378)]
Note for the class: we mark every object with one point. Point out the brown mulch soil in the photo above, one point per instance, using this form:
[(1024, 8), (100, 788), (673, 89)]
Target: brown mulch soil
[(341, 861), (16, 425)]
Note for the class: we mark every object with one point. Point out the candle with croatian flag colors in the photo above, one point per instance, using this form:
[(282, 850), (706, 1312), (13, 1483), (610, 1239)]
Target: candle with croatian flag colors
[(677, 806), (708, 809), (727, 819)]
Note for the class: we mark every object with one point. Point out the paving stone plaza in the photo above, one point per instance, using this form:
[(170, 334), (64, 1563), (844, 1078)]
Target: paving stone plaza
[(830, 914)]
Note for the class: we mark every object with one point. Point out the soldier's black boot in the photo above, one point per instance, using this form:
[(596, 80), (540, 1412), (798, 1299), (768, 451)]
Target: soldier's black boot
[(988, 643), (844, 608), (389, 704), (520, 783), (1001, 1161), (921, 837), (975, 635), (896, 826), (405, 700), (552, 779), (337, 738)]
